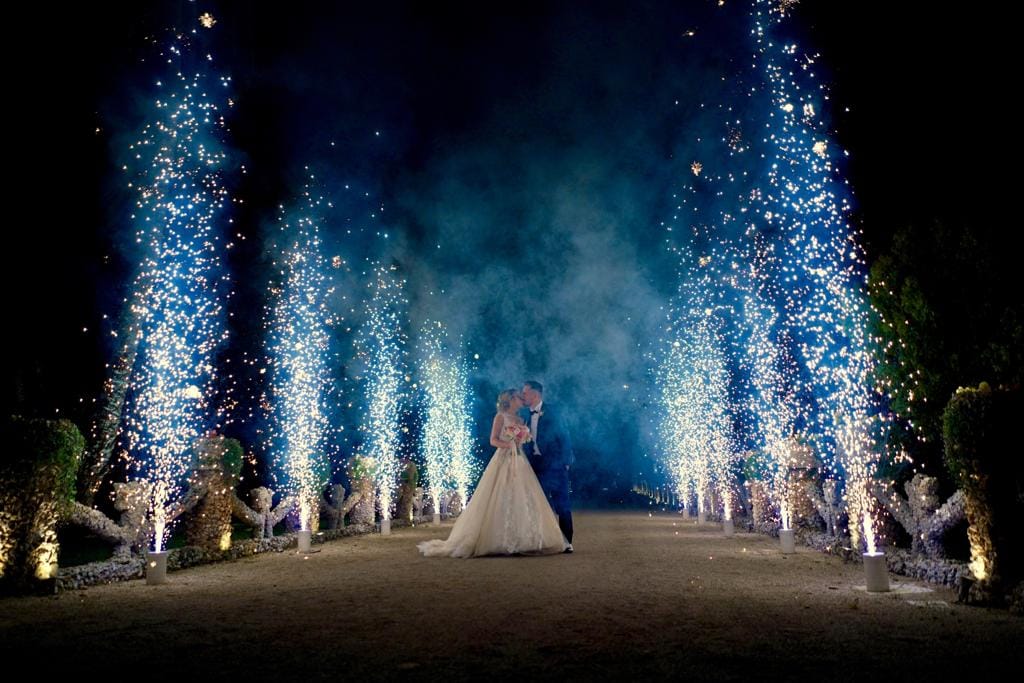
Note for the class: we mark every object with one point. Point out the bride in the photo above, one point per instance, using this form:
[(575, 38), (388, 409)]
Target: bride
[(508, 513)]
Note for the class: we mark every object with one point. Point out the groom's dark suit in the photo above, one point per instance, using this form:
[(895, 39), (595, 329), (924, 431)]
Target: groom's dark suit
[(551, 458)]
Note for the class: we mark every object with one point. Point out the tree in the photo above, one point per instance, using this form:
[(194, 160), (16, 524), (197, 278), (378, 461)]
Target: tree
[(948, 319)]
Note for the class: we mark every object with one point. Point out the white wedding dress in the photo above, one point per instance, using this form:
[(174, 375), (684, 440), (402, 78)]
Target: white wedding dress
[(508, 513)]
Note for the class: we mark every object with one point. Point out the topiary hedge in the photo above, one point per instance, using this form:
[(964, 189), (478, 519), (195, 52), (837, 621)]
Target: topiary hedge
[(38, 467), (982, 452)]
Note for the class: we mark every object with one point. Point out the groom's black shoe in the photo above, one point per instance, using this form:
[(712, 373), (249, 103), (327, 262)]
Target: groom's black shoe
[(568, 550)]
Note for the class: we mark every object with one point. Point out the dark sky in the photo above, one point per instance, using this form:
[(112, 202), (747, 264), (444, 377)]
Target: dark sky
[(500, 125), (922, 80)]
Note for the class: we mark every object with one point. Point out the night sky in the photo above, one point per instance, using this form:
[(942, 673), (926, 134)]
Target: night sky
[(536, 143)]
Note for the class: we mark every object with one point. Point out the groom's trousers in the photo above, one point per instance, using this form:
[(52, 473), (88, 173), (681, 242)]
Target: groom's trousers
[(556, 487)]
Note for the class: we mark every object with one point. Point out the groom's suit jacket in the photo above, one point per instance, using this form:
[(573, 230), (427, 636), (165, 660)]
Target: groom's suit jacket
[(552, 455)]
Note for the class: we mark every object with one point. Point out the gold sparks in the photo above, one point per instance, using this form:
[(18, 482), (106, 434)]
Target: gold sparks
[(809, 110), (696, 167), (820, 148), (336, 262), (787, 107), (447, 437), (207, 20), (786, 5), (704, 260), (735, 137)]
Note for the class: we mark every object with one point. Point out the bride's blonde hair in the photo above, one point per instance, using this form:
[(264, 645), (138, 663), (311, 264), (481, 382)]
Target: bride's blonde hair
[(505, 400)]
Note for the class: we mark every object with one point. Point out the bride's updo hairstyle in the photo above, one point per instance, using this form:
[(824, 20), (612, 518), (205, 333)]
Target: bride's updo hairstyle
[(505, 399)]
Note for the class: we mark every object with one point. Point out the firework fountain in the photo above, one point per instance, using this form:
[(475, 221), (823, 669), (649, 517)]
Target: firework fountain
[(177, 166), (694, 380), (382, 348), (447, 439), (825, 305), (298, 346), (775, 405)]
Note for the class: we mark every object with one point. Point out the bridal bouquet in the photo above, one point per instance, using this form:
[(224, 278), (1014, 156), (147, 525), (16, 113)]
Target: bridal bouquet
[(518, 433)]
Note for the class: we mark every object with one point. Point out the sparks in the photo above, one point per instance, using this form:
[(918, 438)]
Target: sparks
[(177, 167), (382, 348), (447, 440), (298, 341)]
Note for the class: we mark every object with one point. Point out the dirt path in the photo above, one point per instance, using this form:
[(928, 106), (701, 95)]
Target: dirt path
[(642, 596)]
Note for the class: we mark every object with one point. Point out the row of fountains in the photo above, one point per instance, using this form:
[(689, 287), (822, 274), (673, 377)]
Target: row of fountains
[(766, 357), (169, 384)]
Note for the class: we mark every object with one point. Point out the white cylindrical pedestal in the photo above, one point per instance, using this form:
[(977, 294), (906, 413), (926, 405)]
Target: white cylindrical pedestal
[(700, 517), (788, 541), (727, 527), (876, 572), (385, 527), (304, 537), (156, 568), (686, 512), (437, 519)]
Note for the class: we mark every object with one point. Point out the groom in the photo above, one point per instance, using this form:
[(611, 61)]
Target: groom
[(550, 453)]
